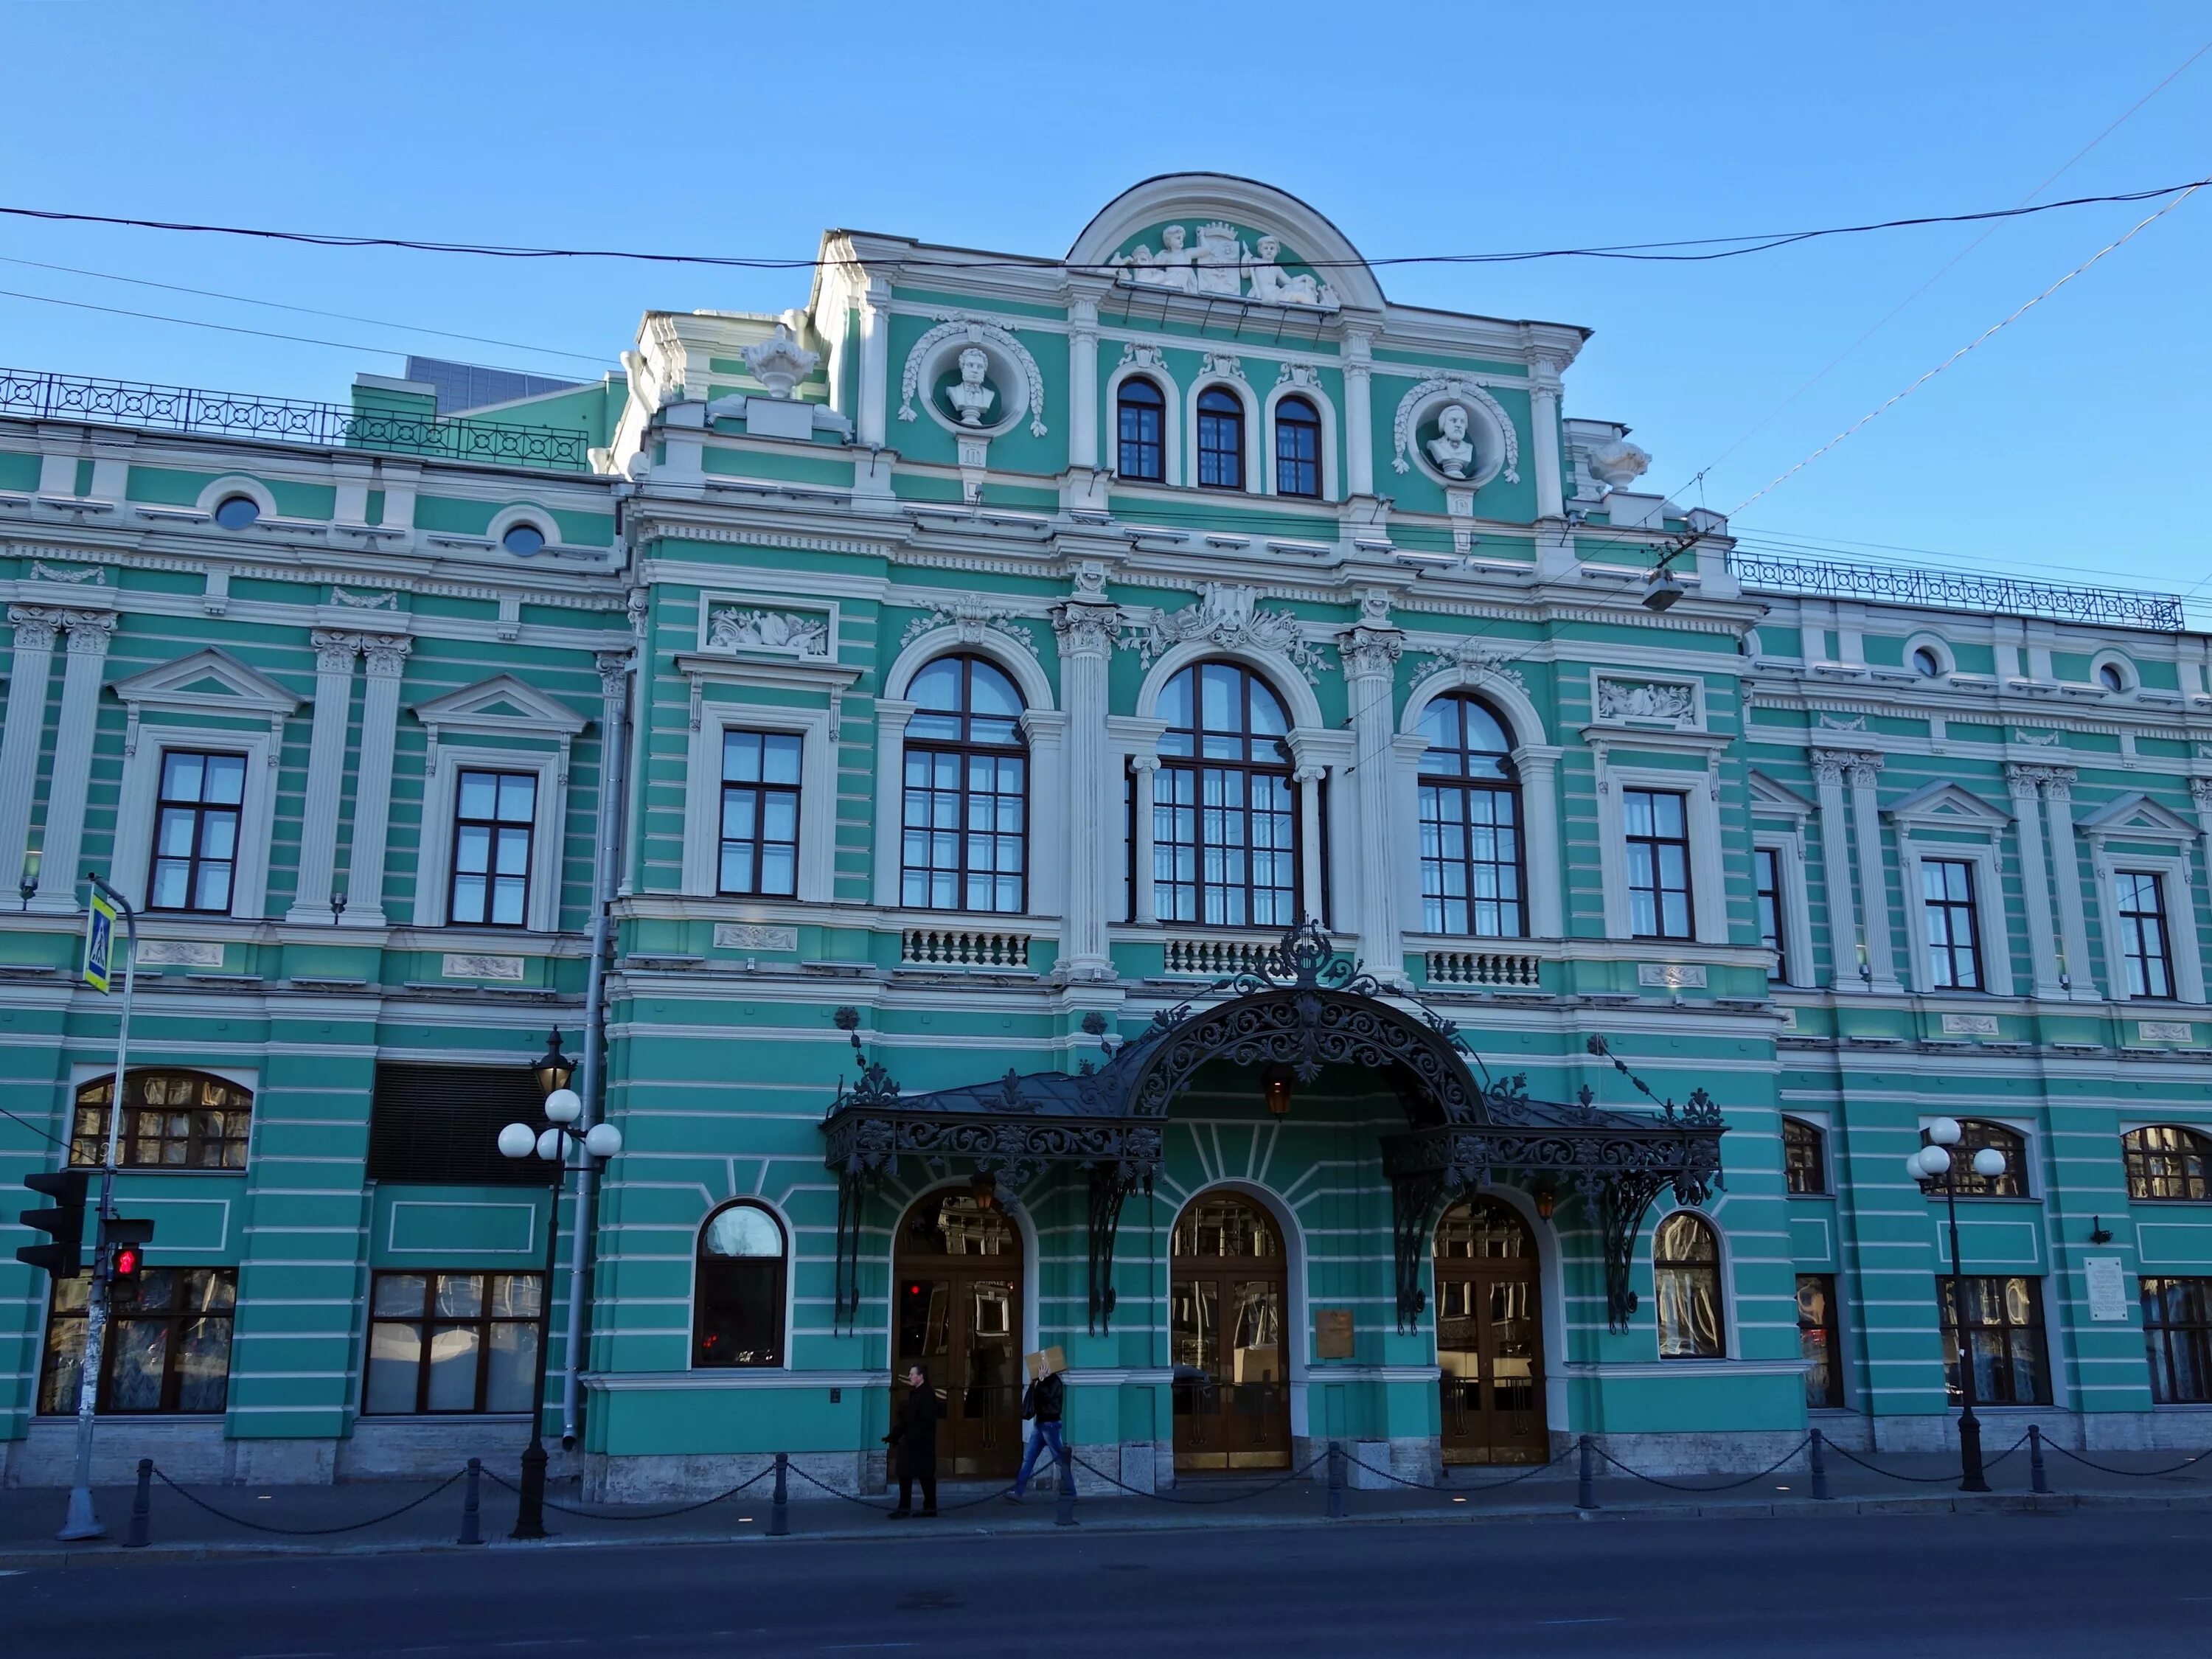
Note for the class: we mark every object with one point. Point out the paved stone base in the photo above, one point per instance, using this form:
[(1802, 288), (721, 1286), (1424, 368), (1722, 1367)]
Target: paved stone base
[(193, 1451), (430, 1449), (689, 1477)]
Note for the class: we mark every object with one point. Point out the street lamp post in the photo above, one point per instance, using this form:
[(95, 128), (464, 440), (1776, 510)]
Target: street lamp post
[(555, 1143), (1934, 1164)]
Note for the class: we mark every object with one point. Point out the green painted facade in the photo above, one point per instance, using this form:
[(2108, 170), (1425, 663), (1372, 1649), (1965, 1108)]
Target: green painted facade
[(787, 564)]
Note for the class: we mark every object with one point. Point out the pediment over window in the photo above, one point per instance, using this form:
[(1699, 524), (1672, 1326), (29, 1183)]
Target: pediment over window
[(2136, 817), (1947, 806), (1776, 799), (501, 707), (207, 682)]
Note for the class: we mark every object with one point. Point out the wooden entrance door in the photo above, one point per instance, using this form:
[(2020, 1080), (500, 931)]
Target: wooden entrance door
[(957, 1314), (1228, 1288), (1490, 1336)]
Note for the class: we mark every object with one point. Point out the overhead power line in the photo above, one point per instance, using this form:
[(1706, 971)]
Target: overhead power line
[(1690, 250)]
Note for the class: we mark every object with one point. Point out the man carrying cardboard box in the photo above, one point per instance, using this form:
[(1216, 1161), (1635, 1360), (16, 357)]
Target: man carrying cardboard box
[(1042, 1403)]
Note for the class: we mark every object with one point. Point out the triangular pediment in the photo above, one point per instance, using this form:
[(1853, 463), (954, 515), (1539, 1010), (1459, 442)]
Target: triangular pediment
[(1948, 805), (1776, 799), (503, 704), (207, 681), (2137, 816)]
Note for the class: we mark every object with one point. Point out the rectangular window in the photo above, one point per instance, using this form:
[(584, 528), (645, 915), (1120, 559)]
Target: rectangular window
[(2139, 898), (1470, 861), (196, 832), (1766, 871), (442, 1342), (167, 1349), (2178, 1332), (2004, 1330), (760, 814), (1143, 449), (493, 817), (1297, 457), (965, 838), (1224, 849), (1657, 822), (1820, 1340), (1947, 890)]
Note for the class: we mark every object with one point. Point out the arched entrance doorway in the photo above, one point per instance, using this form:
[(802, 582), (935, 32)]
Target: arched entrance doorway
[(957, 1314), (1228, 1285), (1490, 1336)]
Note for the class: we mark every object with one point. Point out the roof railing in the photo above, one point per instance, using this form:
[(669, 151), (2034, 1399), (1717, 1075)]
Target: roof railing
[(1957, 590), (30, 394)]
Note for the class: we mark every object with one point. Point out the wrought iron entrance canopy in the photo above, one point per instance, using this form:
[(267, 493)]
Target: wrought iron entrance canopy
[(1308, 1007)]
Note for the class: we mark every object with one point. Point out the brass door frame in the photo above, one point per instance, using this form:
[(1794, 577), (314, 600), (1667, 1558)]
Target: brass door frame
[(970, 1442), (1228, 1426), (1480, 1273)]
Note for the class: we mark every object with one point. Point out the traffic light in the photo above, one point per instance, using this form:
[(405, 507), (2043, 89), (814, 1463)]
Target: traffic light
[(128, 1240), (64, 1257)]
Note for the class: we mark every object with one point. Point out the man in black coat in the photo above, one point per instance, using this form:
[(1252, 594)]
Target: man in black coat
[(914, 1437)]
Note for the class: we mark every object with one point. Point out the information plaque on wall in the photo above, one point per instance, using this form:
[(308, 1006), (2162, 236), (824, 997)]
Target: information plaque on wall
[(1332, 1334), (2108, 1295)]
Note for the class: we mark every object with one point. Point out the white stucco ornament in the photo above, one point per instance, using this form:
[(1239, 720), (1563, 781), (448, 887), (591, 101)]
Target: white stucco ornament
[(778, 362), (1228, 616), (1619, 463), (1482, 424), (1450, 449), (970, 399), (1005, 363), (793, 632), (1222, 264)]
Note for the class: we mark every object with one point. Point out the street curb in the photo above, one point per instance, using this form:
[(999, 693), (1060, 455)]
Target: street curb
[(1992, 1504)]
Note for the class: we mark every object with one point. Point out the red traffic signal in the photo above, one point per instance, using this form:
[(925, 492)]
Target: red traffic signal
[(128, 1238), (128, 1260)]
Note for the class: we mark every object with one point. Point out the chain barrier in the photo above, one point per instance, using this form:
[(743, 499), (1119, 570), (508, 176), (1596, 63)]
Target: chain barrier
[(1461, 1486), (1728, 1485), (2144, 1474), (308, 1532), (656, 1515), (885, 1509), (1226, 1498), (1943, 1479)]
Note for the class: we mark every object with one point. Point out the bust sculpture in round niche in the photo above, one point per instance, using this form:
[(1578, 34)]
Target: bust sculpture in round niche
[(1450, 449), (970, 399)]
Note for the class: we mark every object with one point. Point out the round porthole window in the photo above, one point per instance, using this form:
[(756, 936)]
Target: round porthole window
[(1927, 664), (523, 539), (236, 512), (2110, 677)]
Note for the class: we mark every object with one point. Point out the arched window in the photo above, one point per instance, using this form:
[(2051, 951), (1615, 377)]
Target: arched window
[(737, 1301), (1142, 415), (966, 828), (1472, 881), (171, 1121), (1685, 1282), (2166, 1162), (1804, 1158), (1225, 835), (1297, 448), (1220, 440), (1974, 1135)]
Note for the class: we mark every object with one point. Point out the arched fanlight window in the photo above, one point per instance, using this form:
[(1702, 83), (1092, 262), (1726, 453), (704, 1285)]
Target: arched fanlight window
[(736, 1316), (172, 1120), (1804, 1158), (2167, 1162), (1141, 414), (1224, 831), (1220, 440), (1473, 882), (1297, 448), (965, 839), (1685, 1284), (1974, 1136)]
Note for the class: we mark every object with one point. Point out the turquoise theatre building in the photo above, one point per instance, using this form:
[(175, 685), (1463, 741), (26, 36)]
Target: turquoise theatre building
[(1144, 800)]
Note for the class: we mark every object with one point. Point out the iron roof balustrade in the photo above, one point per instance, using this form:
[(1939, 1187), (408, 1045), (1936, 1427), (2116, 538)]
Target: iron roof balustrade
[(1956, 590)]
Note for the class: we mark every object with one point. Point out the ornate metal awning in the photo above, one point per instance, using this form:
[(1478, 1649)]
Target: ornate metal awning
[(1308, 1007)]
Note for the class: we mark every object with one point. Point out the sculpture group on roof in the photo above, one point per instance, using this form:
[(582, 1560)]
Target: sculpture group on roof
[(1222, 264)]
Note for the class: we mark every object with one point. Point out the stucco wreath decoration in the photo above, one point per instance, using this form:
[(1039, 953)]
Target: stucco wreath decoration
[(971, 328), (1458, 386)]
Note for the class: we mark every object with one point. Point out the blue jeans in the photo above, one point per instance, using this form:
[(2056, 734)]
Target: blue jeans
[(1046, 1434)]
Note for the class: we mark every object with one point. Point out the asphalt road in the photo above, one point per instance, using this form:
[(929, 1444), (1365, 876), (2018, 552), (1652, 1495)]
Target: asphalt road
[(2083, 1584)]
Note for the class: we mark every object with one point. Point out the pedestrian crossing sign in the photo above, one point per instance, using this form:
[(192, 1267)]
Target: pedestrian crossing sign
[(99, 941)]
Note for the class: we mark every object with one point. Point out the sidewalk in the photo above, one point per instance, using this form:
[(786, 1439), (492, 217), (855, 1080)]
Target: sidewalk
[(243, 1521)]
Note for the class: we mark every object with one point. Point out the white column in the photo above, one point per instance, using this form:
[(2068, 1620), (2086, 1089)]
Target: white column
[(1312, 892), (1836, 867), (89, 632), (1874, 877), (30, 677), (1544, 434), (2066, 873), (1083, 381), (386, 656), (892, 718), (1143, 769), (868, 420), (1371, 657), (1540, 849), (326, 752), (1358, 415), (1085, 633), (2035, 879)]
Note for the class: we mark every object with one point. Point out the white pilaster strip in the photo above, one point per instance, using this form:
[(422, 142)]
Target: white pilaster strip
[(1085, 633), (1874, 877), (386, 656), (30, 677), (326, 750), (2034, 876), (2066, 874), (89, 632)]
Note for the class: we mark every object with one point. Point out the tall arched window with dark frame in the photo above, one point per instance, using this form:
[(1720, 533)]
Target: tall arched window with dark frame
[(1297, 448), (1220, 439), (737, 1296), (1141, 423), (964, 841), (1473, 882), (1224, 827)]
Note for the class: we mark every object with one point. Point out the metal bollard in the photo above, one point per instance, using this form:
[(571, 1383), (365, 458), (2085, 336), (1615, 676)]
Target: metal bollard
[(779, 1504), (142, 1508), (1064, 1511), (1820, 1468), (1586, 1477), (1336, 1480), (471, 1529), (2038, 1477)]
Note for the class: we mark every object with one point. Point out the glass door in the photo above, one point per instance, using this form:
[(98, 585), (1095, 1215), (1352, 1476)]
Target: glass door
[(957, 1296), (1490, 1344), (1232, 1402)]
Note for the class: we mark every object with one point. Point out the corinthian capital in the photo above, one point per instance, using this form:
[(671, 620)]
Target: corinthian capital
[(1864, 770), (2201, 788), (1370, 652), (334, 651), (386, 653), (1828, 767), (36, 626), (1085, 630)]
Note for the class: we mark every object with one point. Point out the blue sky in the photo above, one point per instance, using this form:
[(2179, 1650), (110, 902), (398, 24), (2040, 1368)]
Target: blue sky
[(2062, 448)]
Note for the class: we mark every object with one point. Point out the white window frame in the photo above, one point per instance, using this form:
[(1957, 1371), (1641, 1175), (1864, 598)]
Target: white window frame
[(1731, 1336), (2185, 957), (2032, 1163), (1330, 489), (1255, 468), (1820, 1121), (1708, 878), (1993, 926), (128, 867), (1796, 906), (818, 802), (1171, 396), (434, 847)]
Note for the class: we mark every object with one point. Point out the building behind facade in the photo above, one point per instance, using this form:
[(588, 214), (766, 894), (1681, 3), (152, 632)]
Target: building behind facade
[(996, 661)]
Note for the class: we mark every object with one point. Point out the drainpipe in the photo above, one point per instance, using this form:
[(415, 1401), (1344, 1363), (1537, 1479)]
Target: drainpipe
[(615, 680)]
